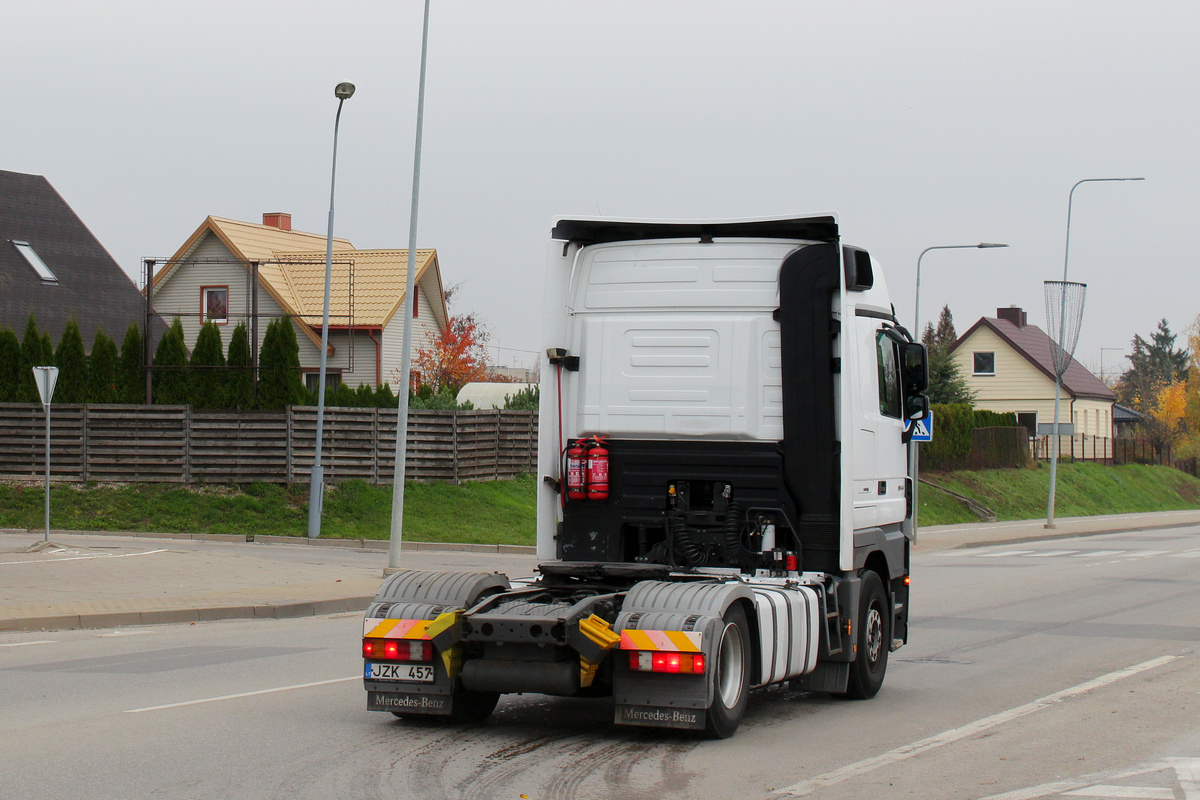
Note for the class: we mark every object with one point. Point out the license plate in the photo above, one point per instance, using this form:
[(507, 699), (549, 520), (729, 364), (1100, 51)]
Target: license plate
[(410, 673)]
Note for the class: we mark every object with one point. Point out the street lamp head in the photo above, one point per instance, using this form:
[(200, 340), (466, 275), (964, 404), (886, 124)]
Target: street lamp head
[(990, 244), (343, 91)]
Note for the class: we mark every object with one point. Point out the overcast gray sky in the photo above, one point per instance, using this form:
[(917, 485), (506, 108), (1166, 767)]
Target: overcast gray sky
[(921, 123)]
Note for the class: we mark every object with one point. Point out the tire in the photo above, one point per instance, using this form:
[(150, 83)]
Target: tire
[(472, 706), (466, 707), (731, 676), (873, 637)]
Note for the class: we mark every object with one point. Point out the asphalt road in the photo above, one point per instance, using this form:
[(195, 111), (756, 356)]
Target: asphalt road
[(1065, 668)]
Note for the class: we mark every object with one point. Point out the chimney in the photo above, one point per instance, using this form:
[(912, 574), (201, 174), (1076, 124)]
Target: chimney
[(1013, 314), (278, 220)]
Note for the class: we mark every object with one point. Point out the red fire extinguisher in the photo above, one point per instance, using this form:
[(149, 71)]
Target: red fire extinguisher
[(597, 469), (576, 489)]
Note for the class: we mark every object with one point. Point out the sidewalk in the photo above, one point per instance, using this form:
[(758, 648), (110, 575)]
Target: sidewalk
[(95, 580)]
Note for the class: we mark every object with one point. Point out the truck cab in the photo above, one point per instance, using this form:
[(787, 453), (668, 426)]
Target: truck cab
[(724, 502)]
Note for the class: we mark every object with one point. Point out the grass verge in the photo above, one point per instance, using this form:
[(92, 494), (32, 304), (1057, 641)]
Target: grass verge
[(494, 512), (503, 512), (1083, 490)]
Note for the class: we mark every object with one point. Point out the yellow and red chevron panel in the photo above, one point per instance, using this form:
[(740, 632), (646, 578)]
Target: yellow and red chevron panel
[(664, 641), (376, 628)]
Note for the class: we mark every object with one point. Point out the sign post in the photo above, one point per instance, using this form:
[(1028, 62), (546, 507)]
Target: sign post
[(46, 377)]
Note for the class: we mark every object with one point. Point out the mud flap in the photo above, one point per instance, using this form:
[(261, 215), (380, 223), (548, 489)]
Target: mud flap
[(692, 719)]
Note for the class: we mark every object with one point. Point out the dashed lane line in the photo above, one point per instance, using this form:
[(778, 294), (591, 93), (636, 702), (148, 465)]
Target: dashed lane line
[(953, 735), (82, 558), (241, 695)]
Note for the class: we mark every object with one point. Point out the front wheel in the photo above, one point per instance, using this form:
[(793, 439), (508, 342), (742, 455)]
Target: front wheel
[(873, 639), (731, 676)]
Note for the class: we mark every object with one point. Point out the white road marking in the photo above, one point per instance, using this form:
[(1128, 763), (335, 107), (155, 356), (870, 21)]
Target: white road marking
[(123, 633), (1187, 554), (971, 729), (1050, 553), (1107, 791), (1006, 553), (242, 694), (1099, 554), (1145, 553), (26, 644), (1187, 772), (83, 558)]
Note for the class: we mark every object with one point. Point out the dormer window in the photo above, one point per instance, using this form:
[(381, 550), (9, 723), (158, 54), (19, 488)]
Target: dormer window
[(35, 261)]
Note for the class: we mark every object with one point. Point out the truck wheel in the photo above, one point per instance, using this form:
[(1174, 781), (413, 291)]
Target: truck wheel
[(467, 706), (472, 706), (731, 675), (873, 638)]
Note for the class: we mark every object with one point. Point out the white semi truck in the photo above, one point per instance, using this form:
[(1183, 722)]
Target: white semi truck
[(723, 496)]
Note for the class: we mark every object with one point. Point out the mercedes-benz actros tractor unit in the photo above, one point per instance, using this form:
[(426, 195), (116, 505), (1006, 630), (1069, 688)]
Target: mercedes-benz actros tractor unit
[(723, 497)]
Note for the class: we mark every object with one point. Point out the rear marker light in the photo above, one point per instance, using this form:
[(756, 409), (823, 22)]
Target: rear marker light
[(671, 663), (397, 649)]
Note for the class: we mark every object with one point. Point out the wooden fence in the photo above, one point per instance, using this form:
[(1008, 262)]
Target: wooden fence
[(180, 444)]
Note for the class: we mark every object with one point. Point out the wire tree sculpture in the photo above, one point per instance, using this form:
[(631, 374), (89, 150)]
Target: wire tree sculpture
[(1064, 317)]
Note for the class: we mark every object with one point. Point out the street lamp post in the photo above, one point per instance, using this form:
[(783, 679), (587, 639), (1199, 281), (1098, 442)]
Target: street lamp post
[(316, 489), (912, 446), (1058, 378), (396, 533)]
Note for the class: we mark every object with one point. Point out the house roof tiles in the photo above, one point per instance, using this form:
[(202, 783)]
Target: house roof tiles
[(367, 286), (91, 286), (1035, 345)]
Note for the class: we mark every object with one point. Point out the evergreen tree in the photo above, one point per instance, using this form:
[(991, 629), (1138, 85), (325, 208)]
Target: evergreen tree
[(208, 369), (1153, 365), (131, 375), (279, 381), (10, 366), (170, 367), (102, 370), (72, 366), (240, 386), (384, 398), (947, 384), (31, 356)]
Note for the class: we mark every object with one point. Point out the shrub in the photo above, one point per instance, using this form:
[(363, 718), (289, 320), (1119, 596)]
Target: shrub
[(102, 370)]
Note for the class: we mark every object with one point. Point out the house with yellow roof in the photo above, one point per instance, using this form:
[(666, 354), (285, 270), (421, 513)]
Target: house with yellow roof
[(212, 278)]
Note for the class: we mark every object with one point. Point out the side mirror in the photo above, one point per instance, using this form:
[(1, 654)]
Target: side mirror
[(914, 368), (916, 406)]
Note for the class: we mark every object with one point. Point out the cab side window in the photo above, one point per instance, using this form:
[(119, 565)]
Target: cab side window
[(889, 376)]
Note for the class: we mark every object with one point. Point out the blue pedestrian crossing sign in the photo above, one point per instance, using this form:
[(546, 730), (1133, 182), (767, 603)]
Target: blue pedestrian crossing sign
[(922, 428)]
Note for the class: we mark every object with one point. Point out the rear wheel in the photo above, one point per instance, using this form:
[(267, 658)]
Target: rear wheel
[(731, 675), (873, 638), (472, 706), (466, 706)]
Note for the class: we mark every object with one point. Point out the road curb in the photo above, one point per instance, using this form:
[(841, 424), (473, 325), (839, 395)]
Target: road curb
[(301, 541), (121, 619), (1046, 537)]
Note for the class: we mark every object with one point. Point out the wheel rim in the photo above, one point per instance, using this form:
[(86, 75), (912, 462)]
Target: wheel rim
[(874, 634), (730, 666)]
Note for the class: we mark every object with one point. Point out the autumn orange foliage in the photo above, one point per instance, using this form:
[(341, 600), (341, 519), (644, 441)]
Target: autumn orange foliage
[(456, 356)]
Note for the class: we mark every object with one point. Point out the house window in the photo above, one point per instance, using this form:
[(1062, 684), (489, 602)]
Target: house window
[(214, 304), (416, 301), (889, 376), (985, 364), (1028, 421), (35, 261), (312, 380)]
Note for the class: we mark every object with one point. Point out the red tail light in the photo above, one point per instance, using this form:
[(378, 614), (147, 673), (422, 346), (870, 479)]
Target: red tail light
[(398, 649), (672, 663)]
